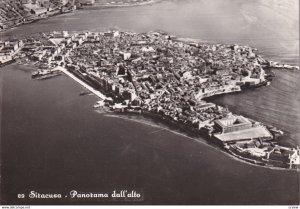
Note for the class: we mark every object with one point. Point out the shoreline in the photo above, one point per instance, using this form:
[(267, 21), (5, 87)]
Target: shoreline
[(104, 6), (88, 87), (35, 20), (287, 139), (96, 6), (180, 129), (200, 139), (195, 135), (206, 123)]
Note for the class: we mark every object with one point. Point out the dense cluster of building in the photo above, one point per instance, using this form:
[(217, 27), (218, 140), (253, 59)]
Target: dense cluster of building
[(8, 49), (16, 12), (11, 13), (157, 74)]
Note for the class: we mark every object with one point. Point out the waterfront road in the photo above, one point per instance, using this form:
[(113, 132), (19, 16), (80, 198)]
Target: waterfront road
[(65, 71)]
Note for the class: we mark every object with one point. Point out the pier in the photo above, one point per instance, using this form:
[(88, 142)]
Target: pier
[(97, 93)]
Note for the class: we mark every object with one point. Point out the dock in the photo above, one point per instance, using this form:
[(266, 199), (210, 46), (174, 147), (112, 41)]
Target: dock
[(88, 87)]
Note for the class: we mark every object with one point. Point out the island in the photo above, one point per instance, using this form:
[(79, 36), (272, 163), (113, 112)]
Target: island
[(160, 76)]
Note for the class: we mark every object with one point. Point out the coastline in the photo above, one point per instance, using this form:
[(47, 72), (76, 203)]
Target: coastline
[(184, 129), (96, 6), (260, 113), (195, 135), (88, 87), (92, 81), (100, 6), (197, 156), (53, 129), (35, 20)]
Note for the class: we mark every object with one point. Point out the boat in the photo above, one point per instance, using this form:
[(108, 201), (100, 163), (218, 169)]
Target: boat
[(85, 93), (44, 74), (269, 76), (276, 131), (99, 104)]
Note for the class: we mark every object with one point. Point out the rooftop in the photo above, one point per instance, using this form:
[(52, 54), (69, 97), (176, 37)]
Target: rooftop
[(254, 132), (232, 121)]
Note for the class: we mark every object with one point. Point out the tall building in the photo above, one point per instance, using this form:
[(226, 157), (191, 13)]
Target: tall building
[(232, 123)]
